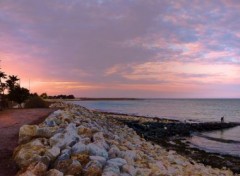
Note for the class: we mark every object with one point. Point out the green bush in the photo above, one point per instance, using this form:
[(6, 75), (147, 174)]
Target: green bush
[(36, 102)]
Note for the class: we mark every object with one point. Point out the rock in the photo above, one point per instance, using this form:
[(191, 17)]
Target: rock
[(68, 138), (129, 169), (110, 173), (114, 152), (27, 132), (97, 151), (65, 154), (26, 154), (62, 165), (100, 159), (50, 122), (54, 172), (110, 169), (58, 112), (85, 140), (52, 153), (130, 156), (143, 171), (98, 136), (75, 168), (35, 169), (46, 132), (93, 168), (102, 144), (83, 158), (117, 162), (79, 148), (86, 132)]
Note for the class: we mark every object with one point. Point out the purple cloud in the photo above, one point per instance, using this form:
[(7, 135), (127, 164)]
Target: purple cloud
[(101, 42)]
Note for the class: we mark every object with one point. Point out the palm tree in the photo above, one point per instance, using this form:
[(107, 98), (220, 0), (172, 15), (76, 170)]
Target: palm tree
[(2, 76), (3, 87), (12, 80)]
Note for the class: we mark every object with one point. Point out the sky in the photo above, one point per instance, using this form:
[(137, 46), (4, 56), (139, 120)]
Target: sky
[(123, 48)]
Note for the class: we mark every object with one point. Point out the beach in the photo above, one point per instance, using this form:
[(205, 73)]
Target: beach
[(78, 141), (10, 122)]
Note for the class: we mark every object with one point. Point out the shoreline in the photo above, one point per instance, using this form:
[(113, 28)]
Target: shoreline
[(178, 142), (118, 149)]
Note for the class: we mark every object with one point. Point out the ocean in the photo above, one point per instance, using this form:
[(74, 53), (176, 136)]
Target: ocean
[(194, 110)]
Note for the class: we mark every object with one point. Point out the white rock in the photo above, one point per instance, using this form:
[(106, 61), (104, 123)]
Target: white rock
[(100, 159), (129, 169), (53, 152), (97, 151), (98, 136), (79, 148), (130, 156), (117, 162), (111, 169), (114, 152)]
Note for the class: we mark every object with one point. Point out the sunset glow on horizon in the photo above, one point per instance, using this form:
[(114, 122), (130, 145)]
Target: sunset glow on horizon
[(130, 48)]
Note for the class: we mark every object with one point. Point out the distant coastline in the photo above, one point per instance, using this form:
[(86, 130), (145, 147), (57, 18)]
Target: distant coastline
[(105, 99), (119, 99)]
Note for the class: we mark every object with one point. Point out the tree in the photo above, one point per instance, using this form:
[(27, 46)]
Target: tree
[(12, 81), (44, 95), (18, 94), (2, 85), (2, 76)]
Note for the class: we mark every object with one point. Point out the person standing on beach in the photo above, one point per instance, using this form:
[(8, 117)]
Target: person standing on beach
[(222, 119)]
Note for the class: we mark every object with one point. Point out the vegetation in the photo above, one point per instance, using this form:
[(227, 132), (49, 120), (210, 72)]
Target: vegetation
[(45, 96), (36, 102), (15, 92), (11, 94)]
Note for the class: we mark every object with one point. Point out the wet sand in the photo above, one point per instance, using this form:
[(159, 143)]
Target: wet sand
[(10, 122)]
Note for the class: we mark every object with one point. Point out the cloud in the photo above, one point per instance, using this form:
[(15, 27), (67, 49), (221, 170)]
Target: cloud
[(174, 72), (116, 42)]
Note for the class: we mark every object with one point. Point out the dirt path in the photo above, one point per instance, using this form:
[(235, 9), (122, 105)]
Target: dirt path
[(10, 122)]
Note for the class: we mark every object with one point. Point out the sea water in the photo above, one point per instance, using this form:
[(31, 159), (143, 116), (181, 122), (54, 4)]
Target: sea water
[(198, 110)]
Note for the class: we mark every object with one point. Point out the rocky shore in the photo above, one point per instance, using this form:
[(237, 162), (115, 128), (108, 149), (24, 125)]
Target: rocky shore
[(76, 141)]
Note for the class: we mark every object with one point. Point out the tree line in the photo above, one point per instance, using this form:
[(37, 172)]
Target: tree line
[(45, 96)]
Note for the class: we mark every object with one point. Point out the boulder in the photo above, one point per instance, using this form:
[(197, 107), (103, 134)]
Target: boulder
[(98, 136), (35, 169), (86, 132), (54, 172), (93, 168), (114, 152), (119, 162), (26, 154), (46, 132), (95, 150), (79, 148), (129, 169), (75, 168), (62, 165), (27, 132), (83, 158), (100, 159), (68, 138), (111, 170), (52, 153)]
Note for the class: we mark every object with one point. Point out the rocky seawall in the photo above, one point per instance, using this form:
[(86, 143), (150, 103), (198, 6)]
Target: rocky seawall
[(77, 141)]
